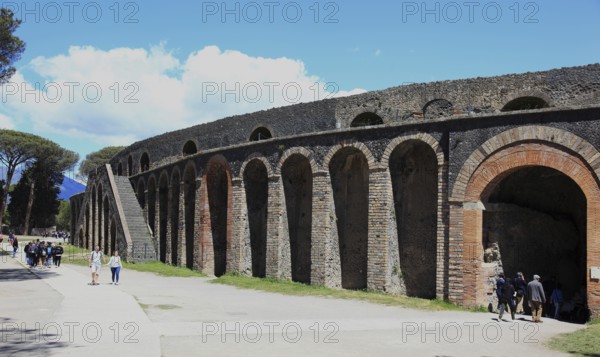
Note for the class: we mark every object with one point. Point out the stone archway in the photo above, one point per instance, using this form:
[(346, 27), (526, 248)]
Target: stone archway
[(503, 160)]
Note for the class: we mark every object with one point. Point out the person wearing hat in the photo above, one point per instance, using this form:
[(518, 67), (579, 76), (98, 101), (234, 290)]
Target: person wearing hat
[(535, 293)]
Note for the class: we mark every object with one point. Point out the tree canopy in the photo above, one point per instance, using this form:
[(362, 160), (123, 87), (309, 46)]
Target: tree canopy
[(18, 148), (11, 46), (98, 158)]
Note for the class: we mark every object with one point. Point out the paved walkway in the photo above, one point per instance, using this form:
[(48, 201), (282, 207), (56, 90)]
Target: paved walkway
[(189, 316)]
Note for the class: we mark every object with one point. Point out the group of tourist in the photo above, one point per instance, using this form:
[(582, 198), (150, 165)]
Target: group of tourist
[(43, 254), (96, 259), (514, 293)]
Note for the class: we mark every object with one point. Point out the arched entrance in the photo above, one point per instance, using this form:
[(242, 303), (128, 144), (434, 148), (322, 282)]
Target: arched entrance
[(256, 185), (216, 220), (189, 186), (163, 201), (535, 222), (349, 172), (499, 182), (297, 177), (174, 217), (414, 174)]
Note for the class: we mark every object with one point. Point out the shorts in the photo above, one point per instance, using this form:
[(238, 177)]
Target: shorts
[(96, 268)]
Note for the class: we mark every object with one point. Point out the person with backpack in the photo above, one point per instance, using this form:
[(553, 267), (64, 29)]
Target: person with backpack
[(507, 299), (96, 259), (115, 266), (58, 252), (49, 250), (41, 253)]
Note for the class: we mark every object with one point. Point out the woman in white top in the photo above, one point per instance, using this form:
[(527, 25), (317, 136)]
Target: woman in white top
[(115, 266)]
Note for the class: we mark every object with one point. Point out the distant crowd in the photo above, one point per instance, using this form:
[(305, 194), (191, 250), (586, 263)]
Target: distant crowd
[(43, 255)]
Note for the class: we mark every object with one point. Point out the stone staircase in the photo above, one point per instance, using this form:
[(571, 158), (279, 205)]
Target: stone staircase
[(142, 243)]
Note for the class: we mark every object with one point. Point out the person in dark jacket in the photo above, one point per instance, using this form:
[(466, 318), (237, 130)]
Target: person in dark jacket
[(499, 284), (507, 299), (521, 288), (535, 293)]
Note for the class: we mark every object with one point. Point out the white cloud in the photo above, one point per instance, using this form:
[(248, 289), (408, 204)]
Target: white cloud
[(144, 93), (6, 122)]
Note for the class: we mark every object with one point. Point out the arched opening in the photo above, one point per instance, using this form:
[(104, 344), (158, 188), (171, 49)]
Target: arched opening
[(525, 103), (94, 210), (296, 174), (141, 194), (349, 172), (413, 170), (535, 222), (113, 235), (366, 119), (81, 239), (190, 148), (163, 201), (189, 186), (256, 185), (218, 184), (261, 133), (86, 243), (174, 216), (152, 205), (438, 108), (100, 230), (106, 226), (120, 169), (129, 166), (144, 162)]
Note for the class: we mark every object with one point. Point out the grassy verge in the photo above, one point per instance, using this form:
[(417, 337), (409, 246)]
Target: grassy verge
[(164, 269), (292, 288), (79, 256), (584, 342)]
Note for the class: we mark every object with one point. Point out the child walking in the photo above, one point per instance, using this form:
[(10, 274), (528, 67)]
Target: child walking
[(115, 266)]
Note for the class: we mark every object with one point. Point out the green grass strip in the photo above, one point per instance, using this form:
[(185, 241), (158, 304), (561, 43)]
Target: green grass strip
[(299, 289)]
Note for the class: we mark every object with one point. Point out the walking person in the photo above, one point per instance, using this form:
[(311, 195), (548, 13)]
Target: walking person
[(507, 299), (96, 259), (115, 266), (557, 299), (535, 293), (41, 253), (58, 252), (521, 288), (15, 244), (499, 285), (49, 253)]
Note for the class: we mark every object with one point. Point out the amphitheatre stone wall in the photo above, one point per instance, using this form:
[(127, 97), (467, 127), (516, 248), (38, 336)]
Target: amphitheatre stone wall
[(418, 190)]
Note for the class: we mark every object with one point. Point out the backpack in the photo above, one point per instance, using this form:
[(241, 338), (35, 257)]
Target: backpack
[(49, 251), (58, 251), (41, 251)]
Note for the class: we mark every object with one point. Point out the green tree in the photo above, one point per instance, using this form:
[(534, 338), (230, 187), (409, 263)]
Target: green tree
[(51, 161), (63, 218), (11, 46), (44, 208), (16, 148), (96, 159)]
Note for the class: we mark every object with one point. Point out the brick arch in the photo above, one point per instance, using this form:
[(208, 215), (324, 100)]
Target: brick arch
[(218, 159), (259, 157), (494, 169), (164, 176), (175, 171), (423, 137), (302, 151), (190, 165), (142, 181), (527, 93), (349, 144), (559, 137)]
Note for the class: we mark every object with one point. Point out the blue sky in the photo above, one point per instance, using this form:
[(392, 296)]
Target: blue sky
[(163, 66)]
